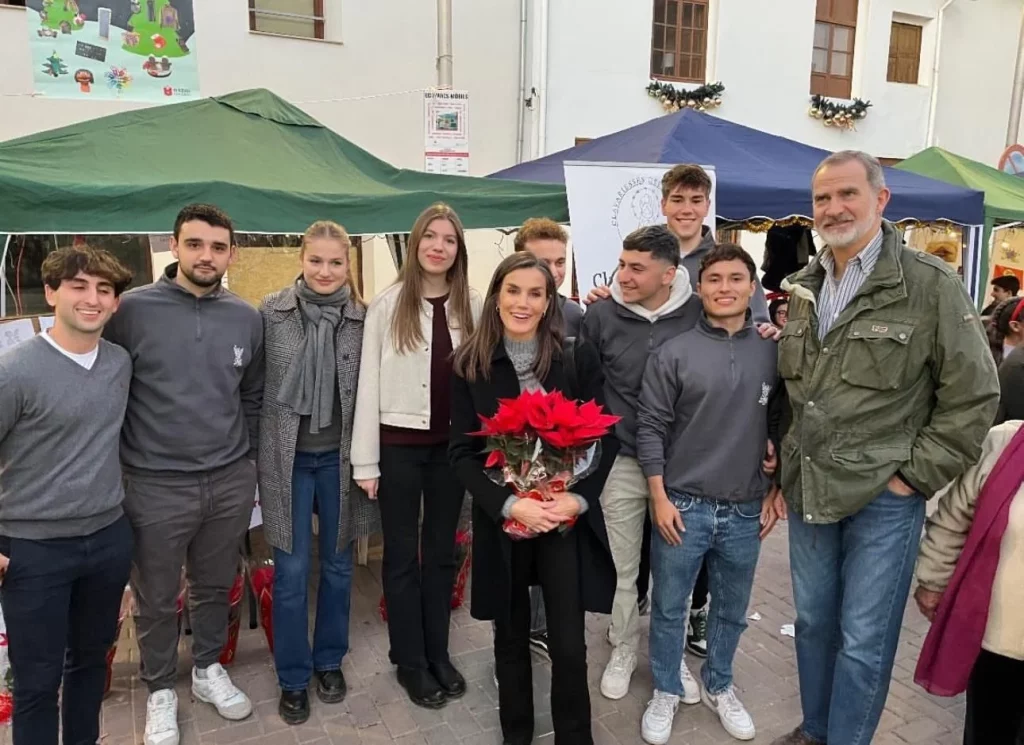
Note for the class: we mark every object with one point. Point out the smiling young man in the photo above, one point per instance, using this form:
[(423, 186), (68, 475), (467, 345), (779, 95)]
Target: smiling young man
[(892, 390), (65, 544), (701, 431), (651, 302), (548, 241), (188, 450)]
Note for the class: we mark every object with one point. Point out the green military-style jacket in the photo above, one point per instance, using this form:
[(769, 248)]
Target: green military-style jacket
[(903, 382)]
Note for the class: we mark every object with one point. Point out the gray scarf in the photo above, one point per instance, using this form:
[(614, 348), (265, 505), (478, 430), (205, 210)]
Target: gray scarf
[(308, 387)]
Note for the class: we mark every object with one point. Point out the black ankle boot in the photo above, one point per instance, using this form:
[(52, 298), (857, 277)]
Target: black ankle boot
[(294, 707), (422, 687), (450, 679), (330, 686)]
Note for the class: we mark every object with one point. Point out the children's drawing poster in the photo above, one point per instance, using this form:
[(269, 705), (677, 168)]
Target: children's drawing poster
[(129, 50)]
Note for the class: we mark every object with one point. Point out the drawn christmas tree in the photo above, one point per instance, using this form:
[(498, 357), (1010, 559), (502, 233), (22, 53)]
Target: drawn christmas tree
[(54, 66), (153, 30), (62, 15)]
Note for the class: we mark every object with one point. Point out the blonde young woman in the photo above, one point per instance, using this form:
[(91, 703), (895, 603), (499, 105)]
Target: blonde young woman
[(400, 446), (313, 335)]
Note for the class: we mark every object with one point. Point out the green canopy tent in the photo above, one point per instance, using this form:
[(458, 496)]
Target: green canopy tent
[(1004, 194), (268, 164)]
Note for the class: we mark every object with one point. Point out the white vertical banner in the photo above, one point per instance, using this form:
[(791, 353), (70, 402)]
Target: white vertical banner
[(607, 202), (446, 132)]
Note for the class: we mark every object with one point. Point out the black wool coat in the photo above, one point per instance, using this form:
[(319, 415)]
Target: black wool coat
[(492, 548)]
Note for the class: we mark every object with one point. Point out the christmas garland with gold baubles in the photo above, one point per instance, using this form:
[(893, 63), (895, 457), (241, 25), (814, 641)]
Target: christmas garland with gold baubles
[(840, 115), (673, 99)]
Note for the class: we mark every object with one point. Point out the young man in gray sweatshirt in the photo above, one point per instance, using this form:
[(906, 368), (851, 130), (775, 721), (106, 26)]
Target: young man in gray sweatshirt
[(65, 544), (701, 438), (651, 303), (188, 449)]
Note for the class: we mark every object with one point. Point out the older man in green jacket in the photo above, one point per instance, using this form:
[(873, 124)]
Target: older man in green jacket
[(892, 389)]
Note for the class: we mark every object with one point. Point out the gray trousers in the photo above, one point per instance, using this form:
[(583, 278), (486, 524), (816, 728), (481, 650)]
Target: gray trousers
[(195, 519)]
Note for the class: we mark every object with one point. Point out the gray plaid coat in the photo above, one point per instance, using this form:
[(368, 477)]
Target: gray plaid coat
[(279, 425)]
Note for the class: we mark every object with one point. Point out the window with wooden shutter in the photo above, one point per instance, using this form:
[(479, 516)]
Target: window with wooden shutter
[(302, 18), (904, 53), (835, 28), (680, 40)]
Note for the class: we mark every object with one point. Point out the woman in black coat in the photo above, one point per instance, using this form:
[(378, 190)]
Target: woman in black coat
[(518, 346)]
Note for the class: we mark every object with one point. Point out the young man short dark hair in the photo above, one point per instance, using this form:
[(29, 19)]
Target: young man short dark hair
[(702, 429), (548, 241), (188, 449), (65, 543), (651, 302)]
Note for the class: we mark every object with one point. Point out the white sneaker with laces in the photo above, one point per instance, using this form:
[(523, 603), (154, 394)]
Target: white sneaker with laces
[(214, 686), (162, 718), (656, 724), (618, 673), (731, 713), (691, 689)]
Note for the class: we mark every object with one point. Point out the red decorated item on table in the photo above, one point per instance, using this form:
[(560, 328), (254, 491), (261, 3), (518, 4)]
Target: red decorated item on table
[(539, 444), (463, 560), (127, 605), (227, 655), (6, 676), (261, 578)]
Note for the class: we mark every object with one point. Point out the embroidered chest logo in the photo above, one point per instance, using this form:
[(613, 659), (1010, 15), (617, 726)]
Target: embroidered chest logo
[(766, 391), (239, 351)]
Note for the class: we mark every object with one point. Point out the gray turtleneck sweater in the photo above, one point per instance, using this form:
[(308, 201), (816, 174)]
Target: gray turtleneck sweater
[(523, 355)]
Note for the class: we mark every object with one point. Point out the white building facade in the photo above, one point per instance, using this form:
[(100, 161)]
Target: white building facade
[(603, 53)]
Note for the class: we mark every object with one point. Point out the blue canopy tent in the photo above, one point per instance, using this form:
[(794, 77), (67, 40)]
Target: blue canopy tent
[(759, 175)]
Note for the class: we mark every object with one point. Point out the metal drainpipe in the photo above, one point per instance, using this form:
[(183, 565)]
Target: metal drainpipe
[(444, 44)]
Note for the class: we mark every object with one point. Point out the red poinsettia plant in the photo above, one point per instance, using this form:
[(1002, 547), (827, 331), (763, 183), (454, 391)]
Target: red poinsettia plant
[(539, 444)]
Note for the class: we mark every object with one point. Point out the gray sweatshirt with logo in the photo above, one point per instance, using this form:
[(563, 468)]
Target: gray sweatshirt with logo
[(197, 384), (703, 418)]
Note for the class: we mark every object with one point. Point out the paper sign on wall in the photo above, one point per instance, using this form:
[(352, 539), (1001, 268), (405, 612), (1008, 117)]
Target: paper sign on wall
[(446, 132)]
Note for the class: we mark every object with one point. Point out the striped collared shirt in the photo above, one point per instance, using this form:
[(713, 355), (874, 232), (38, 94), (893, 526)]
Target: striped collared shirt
[(836, 295)]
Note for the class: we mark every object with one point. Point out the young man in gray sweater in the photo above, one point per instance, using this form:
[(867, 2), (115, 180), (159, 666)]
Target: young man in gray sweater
[(65, 544), (702, 430), (651, 303), (188, 450)]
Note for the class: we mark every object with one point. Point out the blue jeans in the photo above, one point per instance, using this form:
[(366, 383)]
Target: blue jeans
[(725, 535), (850, 586), (316, 478)]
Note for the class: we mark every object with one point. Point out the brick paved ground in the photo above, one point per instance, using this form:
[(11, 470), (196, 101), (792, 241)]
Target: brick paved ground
[(377, 712)]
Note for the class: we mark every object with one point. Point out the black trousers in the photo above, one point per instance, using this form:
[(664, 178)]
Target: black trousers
[(552, 562), (418, 570), (995, 701), (643, 578), (61, 600)]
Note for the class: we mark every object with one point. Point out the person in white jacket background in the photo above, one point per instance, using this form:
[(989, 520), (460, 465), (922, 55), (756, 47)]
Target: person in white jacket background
[(400, 446)]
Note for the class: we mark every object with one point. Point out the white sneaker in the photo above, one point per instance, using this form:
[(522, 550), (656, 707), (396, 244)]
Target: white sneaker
[(731, 712), (656, 724), (618, 673), (162, 718), (216, 688), (691, 689)]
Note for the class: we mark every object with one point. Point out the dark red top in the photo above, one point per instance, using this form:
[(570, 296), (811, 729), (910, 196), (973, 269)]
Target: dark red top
[(440, 387)]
